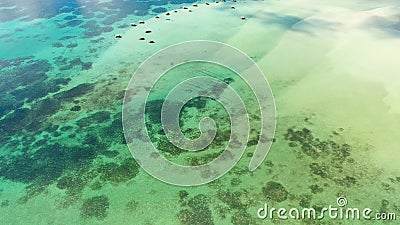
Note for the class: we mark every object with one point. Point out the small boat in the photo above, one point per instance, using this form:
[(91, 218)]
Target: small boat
[(151, 41), (242, 18), (133, 24), (142, 38), (118, 36), (141, 22), (147, 31)]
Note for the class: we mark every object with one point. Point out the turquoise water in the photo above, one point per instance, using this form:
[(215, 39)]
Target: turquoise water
[(63, 75), (45, 46)]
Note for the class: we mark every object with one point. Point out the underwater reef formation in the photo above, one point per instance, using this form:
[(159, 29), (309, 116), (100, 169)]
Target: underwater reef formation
[(234, 199), (197, 211), (241, 217), (117, 173), (95, 207), (328, 157), (43, 162), (275, 191), (193, 110), (46, 164), (32, 120), (24, 80)]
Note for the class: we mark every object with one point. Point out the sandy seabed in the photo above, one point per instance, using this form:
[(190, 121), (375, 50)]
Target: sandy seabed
[(333, 68)]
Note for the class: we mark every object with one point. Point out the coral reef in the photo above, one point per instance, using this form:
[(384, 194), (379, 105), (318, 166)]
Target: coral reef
[(235, 181), (94, 119), (232, 198), (182, 195), (131, 206), (197, 212), (95, 207), (241, 217), (117, 173), (305, 200), (275, 191), (315, 189), (46, 164)]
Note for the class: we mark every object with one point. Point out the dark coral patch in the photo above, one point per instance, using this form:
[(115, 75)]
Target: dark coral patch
[(229, 80), (153, 110), (67, 37), (101, 137), (39, 89), (117, 173), (315, 189), (347, 181), (95, 207), (182, 195), (319, 170), (275, 191), (74, 182), (86, 66), (72, 45), (46, 164), (25, 73), (107, 29), (57, 45), (199, 102), (197, 212), (76, 108), (110, 20), (241, 217), (72, 23), (25, 80), (94, 119), (75, 62), (70, 17), (8, 103), (232, 198), (305, 201), (315, 147), (5, 36), (75, 92), (164, 145), (159, 10)]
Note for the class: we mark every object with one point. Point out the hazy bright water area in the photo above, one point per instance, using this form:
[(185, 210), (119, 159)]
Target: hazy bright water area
[(333, 67)]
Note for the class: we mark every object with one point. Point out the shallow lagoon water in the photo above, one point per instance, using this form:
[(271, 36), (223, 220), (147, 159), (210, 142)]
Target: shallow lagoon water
[(332, 67)]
